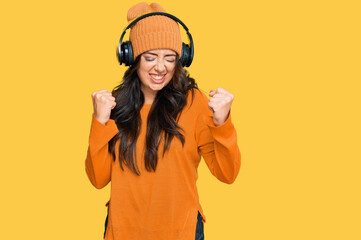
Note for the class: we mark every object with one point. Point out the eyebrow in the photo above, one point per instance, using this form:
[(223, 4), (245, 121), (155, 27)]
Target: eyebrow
[(168, 55)]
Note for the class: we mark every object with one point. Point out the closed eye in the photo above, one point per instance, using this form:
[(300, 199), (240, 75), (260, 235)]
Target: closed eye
[(170, 59)]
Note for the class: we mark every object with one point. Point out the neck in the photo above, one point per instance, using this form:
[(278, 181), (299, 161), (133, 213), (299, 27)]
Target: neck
[(149, 96)]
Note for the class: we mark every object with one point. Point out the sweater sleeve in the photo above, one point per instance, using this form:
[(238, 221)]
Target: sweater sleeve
[(98, 163), (217, 144)]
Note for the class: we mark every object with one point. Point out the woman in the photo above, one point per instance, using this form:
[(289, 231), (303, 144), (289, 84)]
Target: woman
[(149, 134)]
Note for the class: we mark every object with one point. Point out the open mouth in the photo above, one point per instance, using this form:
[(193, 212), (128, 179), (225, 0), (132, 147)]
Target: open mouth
[(157, 78)]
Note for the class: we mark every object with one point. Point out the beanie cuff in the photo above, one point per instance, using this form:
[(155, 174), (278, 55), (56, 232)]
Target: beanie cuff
[(156, 40)]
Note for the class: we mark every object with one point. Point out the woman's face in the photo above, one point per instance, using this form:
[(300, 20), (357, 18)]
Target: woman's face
[(156, 69)]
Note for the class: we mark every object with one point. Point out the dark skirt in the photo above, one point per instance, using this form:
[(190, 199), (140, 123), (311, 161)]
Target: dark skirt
[(199, 228)]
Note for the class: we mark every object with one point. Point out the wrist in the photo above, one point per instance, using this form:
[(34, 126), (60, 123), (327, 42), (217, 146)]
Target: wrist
[(101, 119)]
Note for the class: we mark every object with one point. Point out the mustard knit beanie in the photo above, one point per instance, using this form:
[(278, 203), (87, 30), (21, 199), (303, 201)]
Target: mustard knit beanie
[(153, 32)]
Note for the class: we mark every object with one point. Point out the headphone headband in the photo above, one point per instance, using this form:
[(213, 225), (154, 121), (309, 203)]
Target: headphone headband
[(163, 14)]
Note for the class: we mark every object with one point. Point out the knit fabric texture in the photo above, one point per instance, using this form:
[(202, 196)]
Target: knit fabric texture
[(164, 204), (153, 32)]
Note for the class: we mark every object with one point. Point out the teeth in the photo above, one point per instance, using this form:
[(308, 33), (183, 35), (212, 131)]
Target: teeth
[(157, 77)]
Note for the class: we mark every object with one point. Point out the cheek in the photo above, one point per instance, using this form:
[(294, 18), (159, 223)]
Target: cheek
[(171, 73), (171, 69), (144, 68), (142, 76)]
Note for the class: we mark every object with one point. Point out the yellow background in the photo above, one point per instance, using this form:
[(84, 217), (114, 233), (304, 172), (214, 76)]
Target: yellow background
[(293, 66)]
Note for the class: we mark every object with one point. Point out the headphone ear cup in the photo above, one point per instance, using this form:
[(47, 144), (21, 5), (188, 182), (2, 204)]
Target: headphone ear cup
[(128, 53), (186, 58), (125, 54), (120, 54)]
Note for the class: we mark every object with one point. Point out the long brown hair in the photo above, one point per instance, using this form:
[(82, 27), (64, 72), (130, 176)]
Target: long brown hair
[(162, 118)]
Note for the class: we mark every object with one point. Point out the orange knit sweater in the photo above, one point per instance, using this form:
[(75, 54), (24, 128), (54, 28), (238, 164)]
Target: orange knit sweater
[(164, 204)]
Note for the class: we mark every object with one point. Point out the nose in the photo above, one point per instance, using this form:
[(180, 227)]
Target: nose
[(159, 67)]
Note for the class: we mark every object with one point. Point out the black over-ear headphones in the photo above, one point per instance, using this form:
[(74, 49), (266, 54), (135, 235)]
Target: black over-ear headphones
[(125, 50)]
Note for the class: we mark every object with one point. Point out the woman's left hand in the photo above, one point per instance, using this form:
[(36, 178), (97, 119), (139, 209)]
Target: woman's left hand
[(220, 103)]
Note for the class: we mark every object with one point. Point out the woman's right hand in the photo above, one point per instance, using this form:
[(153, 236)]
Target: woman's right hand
[(103, 103)]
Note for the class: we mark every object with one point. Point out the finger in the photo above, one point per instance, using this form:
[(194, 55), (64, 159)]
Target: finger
[(226, 95), (216, 100), (222, 90), (103, 96), (219, 95), (111, 98), (113, 105), (212, 105), (99, 95), (99, 91)]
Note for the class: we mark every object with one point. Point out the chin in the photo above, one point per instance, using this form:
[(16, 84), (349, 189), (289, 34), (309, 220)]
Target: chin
[(157, 88)]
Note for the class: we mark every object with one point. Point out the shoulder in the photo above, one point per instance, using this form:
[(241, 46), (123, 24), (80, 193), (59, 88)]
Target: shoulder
[(198, 96)]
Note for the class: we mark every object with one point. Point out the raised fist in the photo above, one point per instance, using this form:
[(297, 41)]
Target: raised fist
[(103, 103), (220, 103)]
